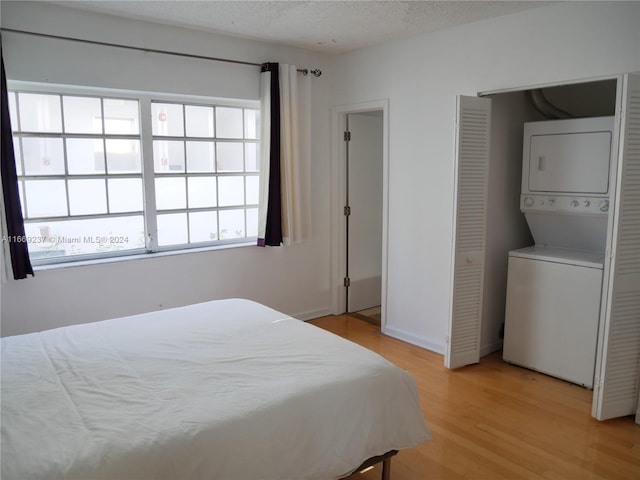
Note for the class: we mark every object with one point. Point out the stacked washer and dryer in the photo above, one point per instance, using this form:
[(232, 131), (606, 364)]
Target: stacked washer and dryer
[(554, 287)]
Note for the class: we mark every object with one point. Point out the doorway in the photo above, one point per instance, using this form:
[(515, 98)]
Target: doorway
[(503, 224), (359, 209), (363, 214)]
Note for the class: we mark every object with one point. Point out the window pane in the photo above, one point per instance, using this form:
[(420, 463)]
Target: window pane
[(231, 224), (203, 227), (251, 123), (172, 229), (166, 119), (85, 156), (82, 115), (17, 153), (229, 157), (200, 157), (123, 156), (87, 197), (46, 198), (228, 122), (171, 193), (252, 190), (230, 191), (202, 192), (125, 195), (252, 222), (77, 237), (168, 156), (199, 121), (121, 117), (40, 113), (43, 156), (251, 157), (13, 113)]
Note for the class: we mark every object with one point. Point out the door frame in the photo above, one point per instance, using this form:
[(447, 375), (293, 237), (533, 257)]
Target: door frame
[(605, 306), (520, 88), (338, 197)]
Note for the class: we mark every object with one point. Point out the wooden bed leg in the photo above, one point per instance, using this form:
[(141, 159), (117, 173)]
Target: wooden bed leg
[(386, 469)]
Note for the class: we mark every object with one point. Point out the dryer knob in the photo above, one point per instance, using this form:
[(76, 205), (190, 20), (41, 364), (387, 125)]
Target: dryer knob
[(528, 202), (574, 203), (604, 206), (586, 203)]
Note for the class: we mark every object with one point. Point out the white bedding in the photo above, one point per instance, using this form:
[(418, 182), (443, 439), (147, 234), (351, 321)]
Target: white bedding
[(219, 390)]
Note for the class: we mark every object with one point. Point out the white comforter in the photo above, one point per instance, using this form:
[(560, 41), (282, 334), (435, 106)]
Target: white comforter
[(219, 390)]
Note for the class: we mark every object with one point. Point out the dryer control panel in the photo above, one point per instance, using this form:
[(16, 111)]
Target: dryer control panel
[(564, 204)]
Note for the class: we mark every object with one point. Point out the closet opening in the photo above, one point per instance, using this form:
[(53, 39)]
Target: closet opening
[(551, 167)]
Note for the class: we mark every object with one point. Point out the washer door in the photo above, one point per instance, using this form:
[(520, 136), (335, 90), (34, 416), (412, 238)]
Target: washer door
[(551, 322)]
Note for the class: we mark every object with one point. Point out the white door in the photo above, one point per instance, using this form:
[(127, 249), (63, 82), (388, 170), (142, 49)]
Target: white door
[(364, 200), (618, 361), (469, 230)]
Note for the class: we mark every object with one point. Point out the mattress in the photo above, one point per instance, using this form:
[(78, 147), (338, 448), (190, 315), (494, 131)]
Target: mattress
[(227, 390)]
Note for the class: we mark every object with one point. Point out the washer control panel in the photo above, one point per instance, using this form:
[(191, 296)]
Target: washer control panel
[(564, 204)]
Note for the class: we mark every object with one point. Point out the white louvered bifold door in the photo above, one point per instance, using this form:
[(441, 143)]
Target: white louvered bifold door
[(469, 230), (616, 390)]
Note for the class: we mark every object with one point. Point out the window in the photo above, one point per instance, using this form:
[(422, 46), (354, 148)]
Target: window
[(116, 175)]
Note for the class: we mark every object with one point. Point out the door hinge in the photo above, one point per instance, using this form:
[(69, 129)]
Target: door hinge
[(347, 136), (347, 211), (347, 282)]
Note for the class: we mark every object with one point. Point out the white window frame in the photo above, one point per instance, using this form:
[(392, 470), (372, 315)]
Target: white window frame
[(150, 212)]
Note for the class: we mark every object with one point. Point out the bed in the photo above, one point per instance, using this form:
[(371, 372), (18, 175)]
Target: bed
[(229, 389)]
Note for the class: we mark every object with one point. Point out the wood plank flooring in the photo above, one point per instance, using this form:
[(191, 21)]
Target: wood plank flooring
[(497, 421)]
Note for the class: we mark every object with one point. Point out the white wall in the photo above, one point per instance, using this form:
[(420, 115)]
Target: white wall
[(292, 279), (421, 78)]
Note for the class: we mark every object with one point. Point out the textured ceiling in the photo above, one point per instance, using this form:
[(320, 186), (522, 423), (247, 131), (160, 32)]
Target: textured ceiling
[(327, 26)]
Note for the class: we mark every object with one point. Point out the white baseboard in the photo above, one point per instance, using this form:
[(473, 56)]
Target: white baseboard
[(492, 347), (418, 340), (311, 314)]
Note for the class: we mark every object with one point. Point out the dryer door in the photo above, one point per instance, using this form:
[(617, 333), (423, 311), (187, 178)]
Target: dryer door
[(571, 156), (570, 163)]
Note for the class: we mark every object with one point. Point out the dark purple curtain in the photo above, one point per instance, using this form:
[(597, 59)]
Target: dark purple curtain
[(15, 225), (273, 229)]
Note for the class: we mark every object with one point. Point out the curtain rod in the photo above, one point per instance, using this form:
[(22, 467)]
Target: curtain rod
[(315, 72)]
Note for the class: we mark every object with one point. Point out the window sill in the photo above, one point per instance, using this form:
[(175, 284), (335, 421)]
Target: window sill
[(140, 256)]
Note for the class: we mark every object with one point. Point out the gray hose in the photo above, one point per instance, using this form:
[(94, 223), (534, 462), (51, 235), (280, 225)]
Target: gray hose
[(544, 107)]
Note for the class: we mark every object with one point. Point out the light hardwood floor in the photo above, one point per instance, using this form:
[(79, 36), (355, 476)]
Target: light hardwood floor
[(497, 421)]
